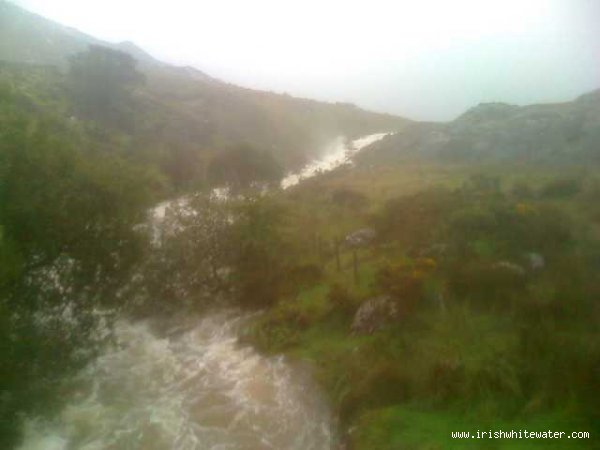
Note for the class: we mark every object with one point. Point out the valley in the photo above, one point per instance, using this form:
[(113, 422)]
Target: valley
[(190, 264)]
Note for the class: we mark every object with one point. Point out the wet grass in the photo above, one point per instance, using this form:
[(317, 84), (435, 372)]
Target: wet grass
[(463, 368), (419, 428)]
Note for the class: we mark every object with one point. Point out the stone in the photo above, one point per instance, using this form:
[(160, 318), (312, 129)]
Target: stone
[(373, 314), (360, 238), (535, 261)]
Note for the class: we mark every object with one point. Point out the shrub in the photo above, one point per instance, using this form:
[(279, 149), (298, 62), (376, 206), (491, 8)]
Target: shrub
[(415, 220), (522, 190), (303, 275), (482, 184), (487, 282), (467, 355), (405, 282), (562, 188), (341, 299), (280, 328), (384, 383), (348, 198), (262, 254)]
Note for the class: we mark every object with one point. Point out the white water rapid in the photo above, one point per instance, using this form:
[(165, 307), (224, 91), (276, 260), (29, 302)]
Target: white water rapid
[(337, 153), (191, 387)]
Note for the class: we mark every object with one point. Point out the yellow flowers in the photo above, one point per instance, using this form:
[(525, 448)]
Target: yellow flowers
[(423, 267), (524, 209), (426, 264)]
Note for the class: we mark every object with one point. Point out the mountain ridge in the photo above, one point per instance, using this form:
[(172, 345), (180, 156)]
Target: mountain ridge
[(182, 113), (566, 132), (199, 111)]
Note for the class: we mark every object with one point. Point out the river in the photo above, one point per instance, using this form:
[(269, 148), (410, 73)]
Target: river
[(337, 153), (191, 385), (188, 387)]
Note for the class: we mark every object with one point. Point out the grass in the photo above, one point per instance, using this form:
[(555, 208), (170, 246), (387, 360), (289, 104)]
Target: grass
[(462, 368), (412, 427), (380, 183)]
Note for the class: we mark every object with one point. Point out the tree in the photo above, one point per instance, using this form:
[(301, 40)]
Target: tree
[(100, 81), (68, 242), (242, 166), (193, 249), (260, 259)]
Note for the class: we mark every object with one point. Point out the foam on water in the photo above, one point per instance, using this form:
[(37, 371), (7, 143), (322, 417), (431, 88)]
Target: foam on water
[(337, 153), (189, 388)]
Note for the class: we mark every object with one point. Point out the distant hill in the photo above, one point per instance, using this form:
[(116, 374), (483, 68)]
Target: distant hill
[(182, 110), (564, 132), (26, 37)]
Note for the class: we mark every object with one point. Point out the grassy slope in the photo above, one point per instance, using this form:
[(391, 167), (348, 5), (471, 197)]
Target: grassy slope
[(309, 326)]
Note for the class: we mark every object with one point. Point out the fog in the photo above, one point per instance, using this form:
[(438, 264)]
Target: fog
[(425, 60)]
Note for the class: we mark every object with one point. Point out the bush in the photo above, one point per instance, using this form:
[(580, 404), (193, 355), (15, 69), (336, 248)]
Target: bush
[(522, 190), (509, 230), (280, 328), (341, 299), (262, 254), (563, 188), (405, 282), (384, 383), (348, 198), (303, 275), (484, 281), (482, 184), (466, 356), (415, 220)]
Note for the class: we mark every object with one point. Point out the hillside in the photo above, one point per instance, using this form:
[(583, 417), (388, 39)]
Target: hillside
[(183, 113), (447, 282), (495, 132), (438, 297)]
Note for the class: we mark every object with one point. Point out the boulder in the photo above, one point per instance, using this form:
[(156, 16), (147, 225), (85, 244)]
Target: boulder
[(360, 238), (535, 261), (373, 314)]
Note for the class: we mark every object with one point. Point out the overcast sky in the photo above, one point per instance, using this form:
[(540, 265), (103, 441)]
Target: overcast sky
[(422, 59)]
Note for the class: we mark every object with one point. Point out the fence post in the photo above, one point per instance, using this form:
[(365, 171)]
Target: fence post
[(355, 265)]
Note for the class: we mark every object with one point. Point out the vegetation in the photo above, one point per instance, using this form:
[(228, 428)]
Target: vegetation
[(493, 287), (67, 245), (100, 81), (242, 166), (180, 118), (481, 279), (77, 175)]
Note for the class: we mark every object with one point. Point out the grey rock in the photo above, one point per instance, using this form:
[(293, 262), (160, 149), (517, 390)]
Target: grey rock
[(360, 238), (535, 261), (373, 314)]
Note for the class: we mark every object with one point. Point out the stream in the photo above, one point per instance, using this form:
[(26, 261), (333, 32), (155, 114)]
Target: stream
[(191, 385), (188, 387), (337, 153)]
